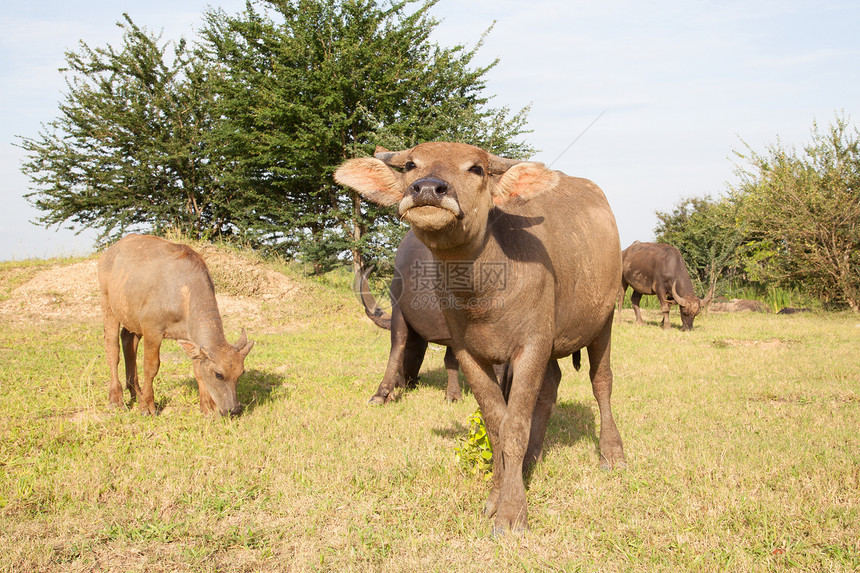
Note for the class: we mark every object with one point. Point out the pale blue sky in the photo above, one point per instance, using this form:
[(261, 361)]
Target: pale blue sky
[(682, 84)]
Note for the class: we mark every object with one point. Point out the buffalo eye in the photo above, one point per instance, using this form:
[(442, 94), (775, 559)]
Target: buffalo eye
[(477, 170), (409, 166)]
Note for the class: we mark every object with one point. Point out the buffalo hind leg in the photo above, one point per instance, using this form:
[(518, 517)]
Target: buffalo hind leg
[(452, 367), (111, 337), (611, 447), (413, 357), (398, 363)]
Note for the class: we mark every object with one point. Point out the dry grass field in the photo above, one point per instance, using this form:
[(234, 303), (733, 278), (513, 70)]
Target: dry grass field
[(743, 438)]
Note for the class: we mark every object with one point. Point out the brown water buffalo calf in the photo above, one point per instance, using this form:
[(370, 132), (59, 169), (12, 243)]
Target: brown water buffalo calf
[(415, 320), (154, 289), (531, 263), (658, 268)]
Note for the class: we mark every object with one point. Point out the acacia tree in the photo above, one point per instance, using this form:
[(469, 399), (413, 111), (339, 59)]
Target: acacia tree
[(303, 85), (802, 212), (128, 150), (240, 136)]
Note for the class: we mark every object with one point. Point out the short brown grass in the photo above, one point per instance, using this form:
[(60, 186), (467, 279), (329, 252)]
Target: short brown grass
[(743, 438)]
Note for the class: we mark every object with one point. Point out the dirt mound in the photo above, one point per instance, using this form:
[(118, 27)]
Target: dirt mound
[(737, 305), (57, 292), (236, 275), (70, 291)]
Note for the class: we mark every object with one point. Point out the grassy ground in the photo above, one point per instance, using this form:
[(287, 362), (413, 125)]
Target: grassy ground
[(743, 438)]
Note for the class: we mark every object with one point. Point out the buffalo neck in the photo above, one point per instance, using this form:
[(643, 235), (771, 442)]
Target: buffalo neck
[(204, 323), (472, 271)]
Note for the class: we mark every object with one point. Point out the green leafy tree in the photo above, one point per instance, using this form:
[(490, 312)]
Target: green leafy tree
[(802, 212), (303, 85), (707, 234), (128, 150)]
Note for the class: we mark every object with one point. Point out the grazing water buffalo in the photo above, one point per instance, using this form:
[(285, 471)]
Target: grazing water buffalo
[(154, 289), (530, 263), (415, 320), (658, 268)]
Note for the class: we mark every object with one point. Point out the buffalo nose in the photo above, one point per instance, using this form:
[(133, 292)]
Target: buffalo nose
[(429, 186)]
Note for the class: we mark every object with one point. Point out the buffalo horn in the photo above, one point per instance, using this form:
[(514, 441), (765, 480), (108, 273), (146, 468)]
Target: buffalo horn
[(499, 165), (496, 166), (391, 158), (242, 342), (678, 298)]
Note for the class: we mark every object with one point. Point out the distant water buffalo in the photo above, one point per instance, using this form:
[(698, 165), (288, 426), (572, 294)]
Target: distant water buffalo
[(153, 289), (658, 269), (792, 310), (531, 265), (415, 320)]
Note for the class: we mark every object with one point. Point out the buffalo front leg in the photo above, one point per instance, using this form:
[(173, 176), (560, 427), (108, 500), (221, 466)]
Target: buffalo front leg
[(611, 447), (482, 380), (664, 308), (111, 337), (513, 440), (620, 302), (540, 417), (151, 363), (130, 342), (452, 367), (635, 297)]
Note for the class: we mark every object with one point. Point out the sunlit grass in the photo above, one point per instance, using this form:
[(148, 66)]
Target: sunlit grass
[(742, 437)]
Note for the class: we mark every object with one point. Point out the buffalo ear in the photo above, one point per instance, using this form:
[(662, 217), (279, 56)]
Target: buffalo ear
[(374, 180), (193, 351), (524, 181)]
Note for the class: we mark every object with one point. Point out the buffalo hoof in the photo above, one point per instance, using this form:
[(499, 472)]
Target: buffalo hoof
[(381, 399), (511, 519), (608, 466), (502, 531), (148, 410)]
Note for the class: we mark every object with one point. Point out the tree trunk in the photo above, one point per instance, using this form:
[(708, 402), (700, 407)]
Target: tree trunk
[(357, 233)]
